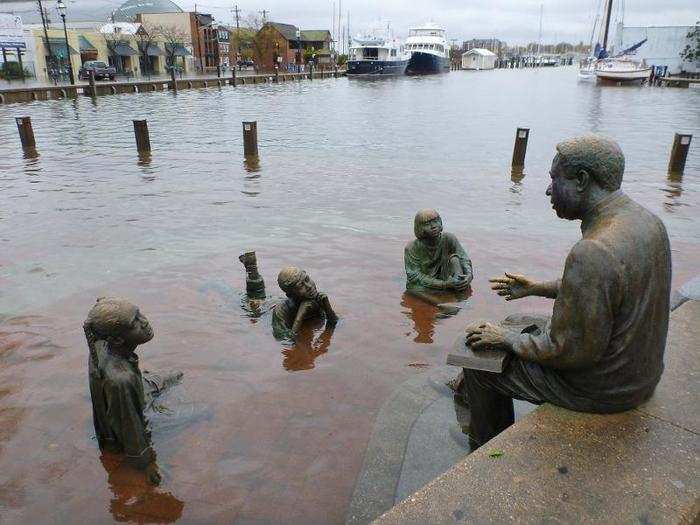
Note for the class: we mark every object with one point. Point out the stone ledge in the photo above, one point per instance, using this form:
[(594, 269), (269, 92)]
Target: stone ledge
[(556, 465)]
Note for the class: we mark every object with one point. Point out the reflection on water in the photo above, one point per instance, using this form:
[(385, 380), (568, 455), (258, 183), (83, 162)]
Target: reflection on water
[(307, 347), (516, 176), (424, 311), (674, 190), (134, 499)]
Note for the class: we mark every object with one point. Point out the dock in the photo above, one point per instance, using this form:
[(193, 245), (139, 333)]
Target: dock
[(62, 91)]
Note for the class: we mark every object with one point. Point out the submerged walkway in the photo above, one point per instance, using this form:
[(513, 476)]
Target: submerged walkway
[(555, 465), (33, 93)]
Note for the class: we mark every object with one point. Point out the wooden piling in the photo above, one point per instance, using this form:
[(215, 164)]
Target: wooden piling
[(233, 75), (520, 148), (143, 140), (26, 133), (679, 152), (250, 138), (174, 84), (93, 88)]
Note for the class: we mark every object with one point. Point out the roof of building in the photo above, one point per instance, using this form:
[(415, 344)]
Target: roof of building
[(480, 51), (129, 9), (316, 35), (288, 31)]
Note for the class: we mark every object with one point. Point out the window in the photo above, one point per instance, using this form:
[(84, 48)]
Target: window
[(393, 52)]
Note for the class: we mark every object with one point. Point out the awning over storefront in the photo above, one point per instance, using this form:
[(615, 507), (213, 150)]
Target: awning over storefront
[(123, 49), (86, 45), (154, 51), (177, 50), (58, 47)]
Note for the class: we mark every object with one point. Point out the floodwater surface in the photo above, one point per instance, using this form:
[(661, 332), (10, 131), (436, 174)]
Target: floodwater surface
[(259, 431)]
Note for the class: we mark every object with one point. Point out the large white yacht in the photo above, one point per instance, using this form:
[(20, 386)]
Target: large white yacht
[(429, 50), (375, 54)]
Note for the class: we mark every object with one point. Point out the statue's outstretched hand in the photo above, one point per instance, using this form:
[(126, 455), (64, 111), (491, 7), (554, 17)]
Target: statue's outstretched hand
[(513, 286)]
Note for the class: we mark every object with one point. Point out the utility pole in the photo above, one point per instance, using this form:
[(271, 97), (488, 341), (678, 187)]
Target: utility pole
[(44, 22), (236, 13), (340, 38), (237, 38), (264, 14)]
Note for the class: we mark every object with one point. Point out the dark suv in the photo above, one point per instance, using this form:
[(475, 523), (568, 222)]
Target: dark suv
[(101, 70)]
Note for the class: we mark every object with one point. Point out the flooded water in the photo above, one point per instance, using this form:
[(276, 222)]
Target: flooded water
[(261, 432)]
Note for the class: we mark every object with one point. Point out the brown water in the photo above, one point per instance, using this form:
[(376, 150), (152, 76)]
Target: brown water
[(259, 432)]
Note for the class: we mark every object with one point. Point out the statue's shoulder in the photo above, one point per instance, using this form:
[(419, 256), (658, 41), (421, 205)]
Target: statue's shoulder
[(117, 371), (450, 237), (412, 246)]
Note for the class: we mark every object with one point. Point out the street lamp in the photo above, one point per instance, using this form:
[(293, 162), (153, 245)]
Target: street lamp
[(301, 59), (62, 11)]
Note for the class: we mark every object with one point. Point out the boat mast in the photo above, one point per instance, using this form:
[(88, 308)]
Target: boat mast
[(608, 12), (539, 40)]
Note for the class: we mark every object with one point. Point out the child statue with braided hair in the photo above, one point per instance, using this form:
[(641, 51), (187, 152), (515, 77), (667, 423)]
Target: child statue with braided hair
[(119, 391)]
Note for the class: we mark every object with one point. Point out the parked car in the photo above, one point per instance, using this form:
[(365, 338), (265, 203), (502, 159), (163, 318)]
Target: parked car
[(102, 70)]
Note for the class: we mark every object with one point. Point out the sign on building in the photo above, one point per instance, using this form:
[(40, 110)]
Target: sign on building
[(11, 34)]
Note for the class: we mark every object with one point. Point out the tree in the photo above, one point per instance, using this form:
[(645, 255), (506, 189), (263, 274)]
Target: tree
[(174, 39), (263, 41), (147, 35), (691, 52)]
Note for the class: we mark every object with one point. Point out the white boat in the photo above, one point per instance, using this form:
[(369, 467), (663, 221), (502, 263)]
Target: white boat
[(621, 69), (429, 51), (373, 55)]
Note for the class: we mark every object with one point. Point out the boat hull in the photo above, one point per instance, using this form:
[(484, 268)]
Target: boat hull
[(376, 68), (623, 76), (427, 64)]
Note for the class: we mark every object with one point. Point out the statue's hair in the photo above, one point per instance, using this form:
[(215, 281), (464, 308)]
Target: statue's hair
[(110, 317), (289, 276), (599, 156), (421, 218)]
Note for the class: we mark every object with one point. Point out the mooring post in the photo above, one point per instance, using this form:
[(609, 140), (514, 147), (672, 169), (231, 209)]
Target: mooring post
[(233, 76), (250, 138), (143, 141), (520, 148), (218, 71), (172, 79), (26, 133), (679, 152), (93, 88)]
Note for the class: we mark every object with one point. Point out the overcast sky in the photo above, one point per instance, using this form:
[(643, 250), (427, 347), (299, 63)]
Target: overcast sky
[(515, 21)]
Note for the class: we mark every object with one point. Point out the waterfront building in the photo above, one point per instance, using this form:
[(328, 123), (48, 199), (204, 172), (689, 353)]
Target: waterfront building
[(216, 50), (283, 44), (492, 44), (131, 9), (662, 47), (478, 59), (13, 44)]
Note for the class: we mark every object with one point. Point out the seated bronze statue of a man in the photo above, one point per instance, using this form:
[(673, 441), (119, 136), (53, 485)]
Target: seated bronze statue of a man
[(602, 351), (435, 260), (114, 329), (303, 302)]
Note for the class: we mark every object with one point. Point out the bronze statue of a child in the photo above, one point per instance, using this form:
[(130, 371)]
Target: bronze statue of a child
[(119, 391), (435, 260), (303, 302)]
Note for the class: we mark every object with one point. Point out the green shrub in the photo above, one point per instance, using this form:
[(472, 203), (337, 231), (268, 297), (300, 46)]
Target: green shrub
[(12, 70)]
